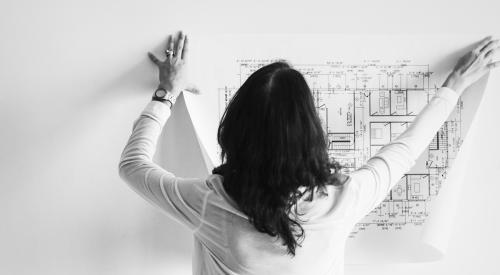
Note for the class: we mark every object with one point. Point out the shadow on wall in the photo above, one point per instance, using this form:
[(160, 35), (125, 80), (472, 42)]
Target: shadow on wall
[(105, 224), (446, 62)]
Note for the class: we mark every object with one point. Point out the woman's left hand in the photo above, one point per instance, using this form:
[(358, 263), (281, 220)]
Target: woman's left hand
[(173, 69)]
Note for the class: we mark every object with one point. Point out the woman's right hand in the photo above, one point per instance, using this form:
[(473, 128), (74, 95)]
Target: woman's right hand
[(472, 66), (172, 71)]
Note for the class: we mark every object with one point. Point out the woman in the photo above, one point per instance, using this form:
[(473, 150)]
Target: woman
[(277, 204)]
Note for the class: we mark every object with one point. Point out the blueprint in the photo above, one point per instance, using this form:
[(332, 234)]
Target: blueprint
[(367, 90), (363, 107)]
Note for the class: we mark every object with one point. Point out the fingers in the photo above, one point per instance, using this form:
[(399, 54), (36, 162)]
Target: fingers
[(479, 57), (491, 50), (154, 58), (170, 46), (180, 44), (184, 48), (490, 46), (180, 48), (170, 43), (490, 53), (482, 44)]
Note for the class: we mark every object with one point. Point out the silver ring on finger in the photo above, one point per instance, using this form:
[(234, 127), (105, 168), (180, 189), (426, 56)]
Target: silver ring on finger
[(169, 53)]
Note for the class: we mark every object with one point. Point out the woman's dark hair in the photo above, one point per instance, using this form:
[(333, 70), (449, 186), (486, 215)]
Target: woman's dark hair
[(272, 143)]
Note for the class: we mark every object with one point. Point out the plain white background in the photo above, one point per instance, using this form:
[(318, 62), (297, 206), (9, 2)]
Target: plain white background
[(73, 77)]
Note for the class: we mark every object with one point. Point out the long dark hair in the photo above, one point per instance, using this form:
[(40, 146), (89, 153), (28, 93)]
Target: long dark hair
[(272, 143)]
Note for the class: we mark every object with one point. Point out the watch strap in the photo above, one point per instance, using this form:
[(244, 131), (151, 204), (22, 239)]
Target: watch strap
[(165, 101), (169, 96)]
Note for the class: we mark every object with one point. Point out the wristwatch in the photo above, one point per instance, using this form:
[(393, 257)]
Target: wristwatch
[(164, 96)]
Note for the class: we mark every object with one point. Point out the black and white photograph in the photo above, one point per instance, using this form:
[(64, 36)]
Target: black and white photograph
[(249, 137)]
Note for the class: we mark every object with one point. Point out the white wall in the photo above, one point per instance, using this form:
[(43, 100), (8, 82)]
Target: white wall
[(73, 77)]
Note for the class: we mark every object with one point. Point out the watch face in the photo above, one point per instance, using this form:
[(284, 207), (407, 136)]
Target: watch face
[(160, 93)]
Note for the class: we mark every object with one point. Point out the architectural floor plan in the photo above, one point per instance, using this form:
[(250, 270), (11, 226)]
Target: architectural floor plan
[(364, 106), (367, 90)]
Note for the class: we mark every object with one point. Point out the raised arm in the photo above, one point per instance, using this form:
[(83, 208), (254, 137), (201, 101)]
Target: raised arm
[(181, 198), (371, 183)]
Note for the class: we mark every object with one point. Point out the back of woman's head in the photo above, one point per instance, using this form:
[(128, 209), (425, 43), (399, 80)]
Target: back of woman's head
[(272, 143)]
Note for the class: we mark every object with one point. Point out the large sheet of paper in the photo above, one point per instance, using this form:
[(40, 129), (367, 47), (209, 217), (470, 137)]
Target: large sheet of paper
[(367, 90)]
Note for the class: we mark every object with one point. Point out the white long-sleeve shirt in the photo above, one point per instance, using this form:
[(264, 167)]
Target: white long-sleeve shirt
[(226, 243)]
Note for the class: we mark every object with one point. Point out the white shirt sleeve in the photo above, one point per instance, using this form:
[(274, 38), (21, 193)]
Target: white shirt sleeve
[(183, 199), (370, 184)]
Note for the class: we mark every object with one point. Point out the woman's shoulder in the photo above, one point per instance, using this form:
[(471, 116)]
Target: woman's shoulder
[(220, 197)]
